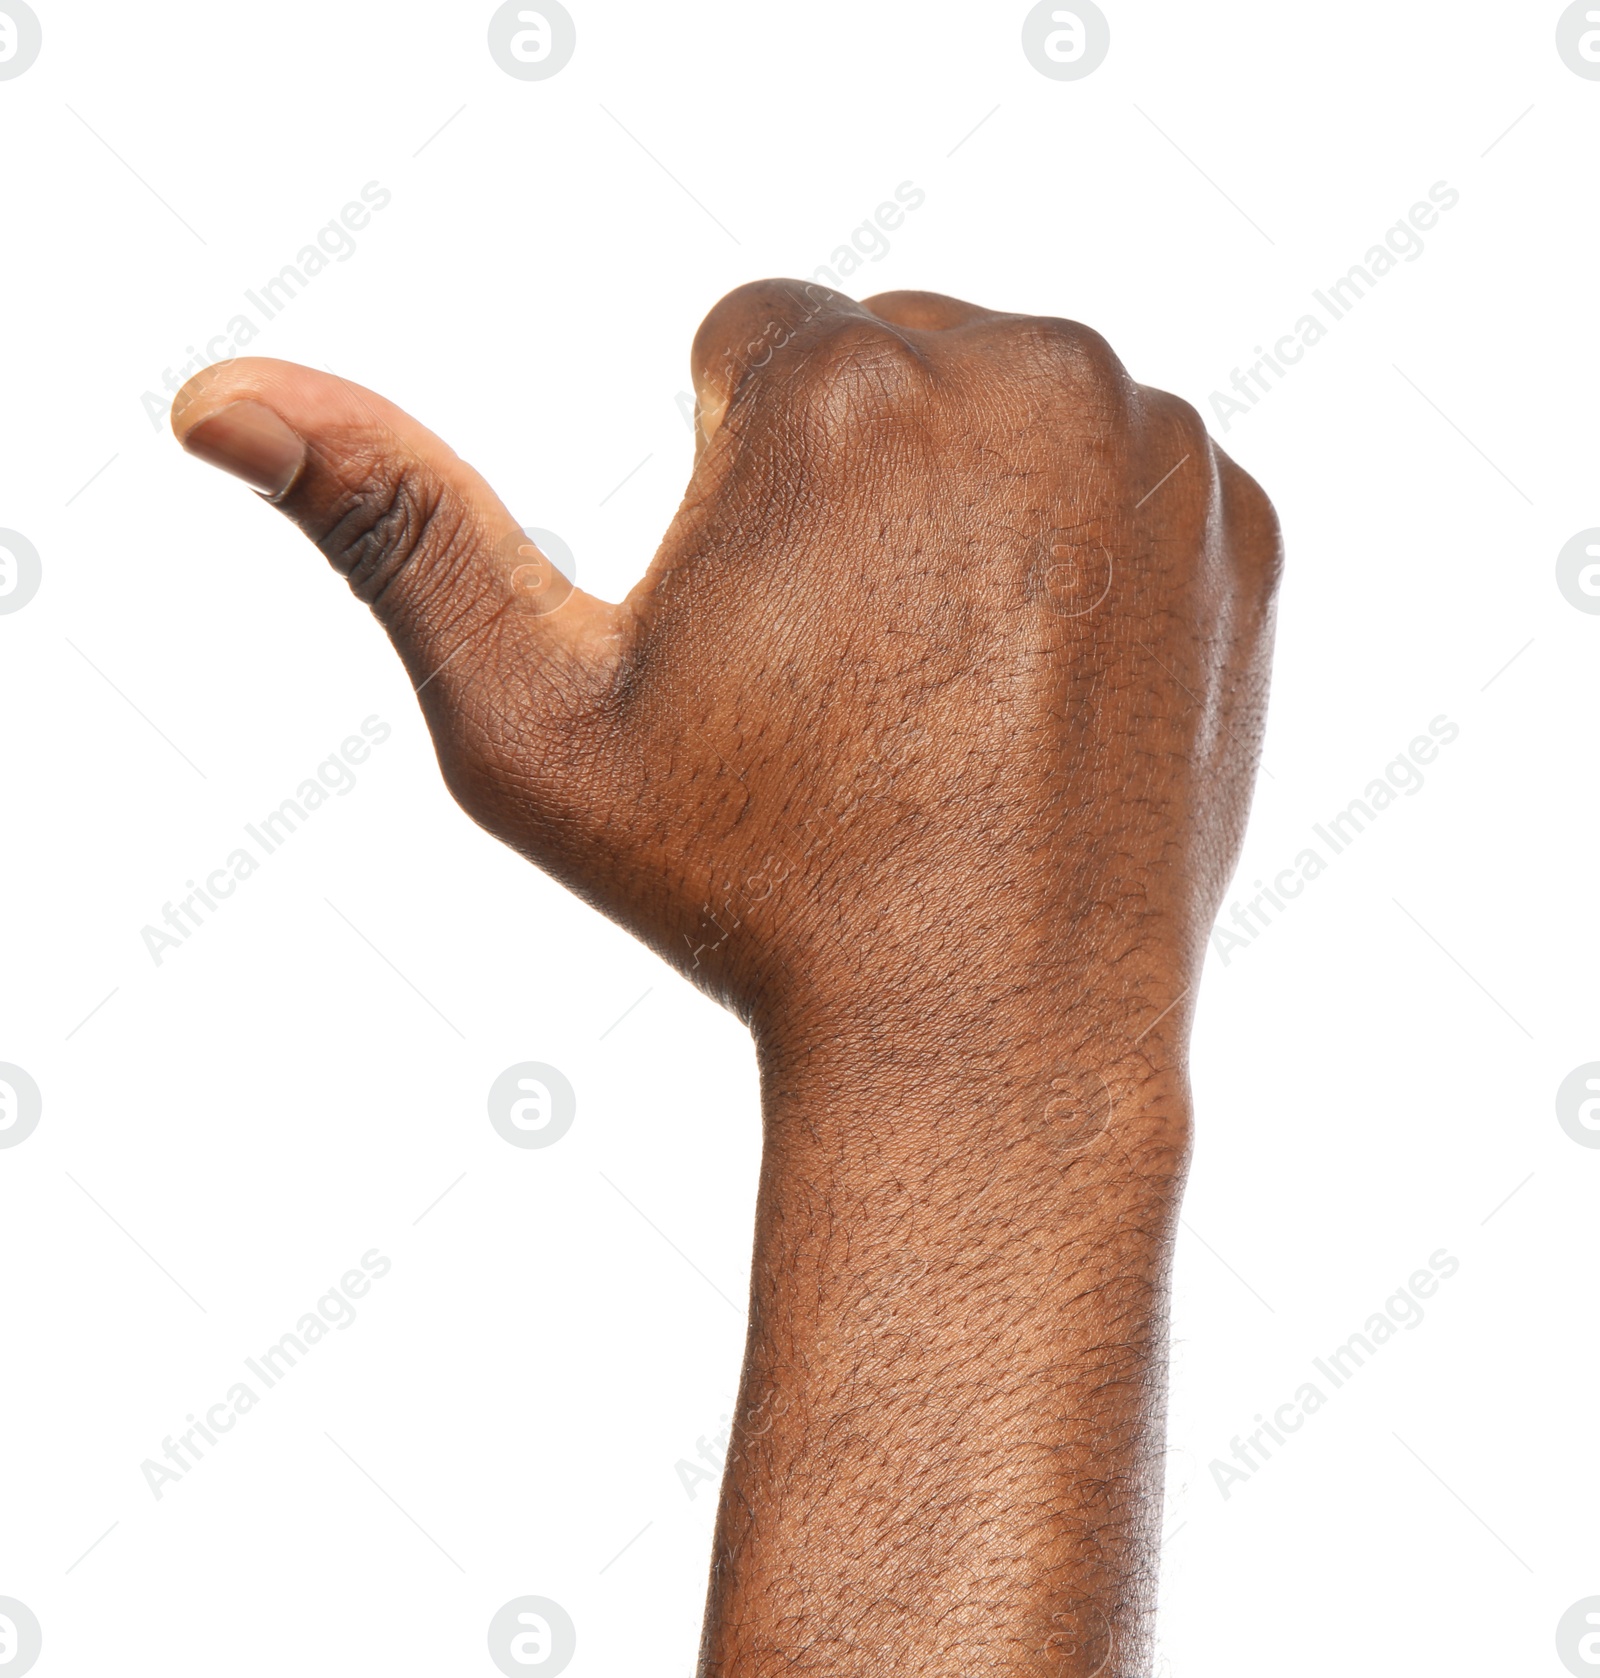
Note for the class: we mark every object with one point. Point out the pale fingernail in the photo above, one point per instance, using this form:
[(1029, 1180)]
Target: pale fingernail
[(250, 441)]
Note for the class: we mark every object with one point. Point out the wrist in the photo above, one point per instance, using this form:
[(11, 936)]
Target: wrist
[(1021, 1076)]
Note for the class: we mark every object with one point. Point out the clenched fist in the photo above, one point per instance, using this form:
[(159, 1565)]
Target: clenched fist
[(925, 744)]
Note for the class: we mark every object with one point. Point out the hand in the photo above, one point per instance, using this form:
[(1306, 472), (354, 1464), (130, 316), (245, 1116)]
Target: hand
[(926, 662), (925, 744)]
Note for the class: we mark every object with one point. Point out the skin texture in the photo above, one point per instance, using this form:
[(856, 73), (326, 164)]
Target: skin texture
[(925, 745)]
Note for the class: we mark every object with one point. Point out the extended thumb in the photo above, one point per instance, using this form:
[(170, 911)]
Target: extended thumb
[(418, 534)]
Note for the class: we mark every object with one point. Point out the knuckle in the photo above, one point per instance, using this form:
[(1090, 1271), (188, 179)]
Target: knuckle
[(1178, 473), (1065, 374), (1253, 525), (1179, 418), (864, 355), (1066, 349), (745, 329), (858, 371), (393, 519)]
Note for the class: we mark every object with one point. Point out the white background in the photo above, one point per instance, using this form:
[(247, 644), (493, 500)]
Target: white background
[(228, 1132)]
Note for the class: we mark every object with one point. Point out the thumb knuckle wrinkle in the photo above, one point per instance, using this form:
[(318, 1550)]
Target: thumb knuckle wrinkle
[(395, 519)]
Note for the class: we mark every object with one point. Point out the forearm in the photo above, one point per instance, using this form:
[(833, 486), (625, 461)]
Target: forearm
[(948, 1447)]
